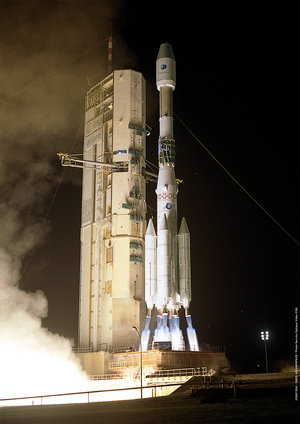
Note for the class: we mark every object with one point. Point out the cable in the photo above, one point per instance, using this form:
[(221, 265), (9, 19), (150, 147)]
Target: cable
[(241, 187), (63, 171), (27, 261), (150, 167), (77, 133), (148, 162), (148, 206)]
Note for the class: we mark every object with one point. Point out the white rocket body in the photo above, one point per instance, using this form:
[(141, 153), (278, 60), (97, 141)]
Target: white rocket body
[(167, 254), (184, 259)]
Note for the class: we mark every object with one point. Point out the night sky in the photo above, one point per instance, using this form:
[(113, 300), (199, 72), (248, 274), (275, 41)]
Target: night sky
[(237, 91)]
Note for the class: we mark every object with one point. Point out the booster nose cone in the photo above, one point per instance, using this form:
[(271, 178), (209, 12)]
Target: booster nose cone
[(165, 67), (183, 227), (150, 229)]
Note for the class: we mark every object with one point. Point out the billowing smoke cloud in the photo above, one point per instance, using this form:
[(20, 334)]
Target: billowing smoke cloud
[(49, 51), (33, 361)]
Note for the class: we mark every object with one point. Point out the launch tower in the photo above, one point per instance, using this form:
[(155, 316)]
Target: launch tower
[(113, 213)]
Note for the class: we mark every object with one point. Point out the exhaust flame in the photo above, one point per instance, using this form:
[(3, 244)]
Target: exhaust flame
[(162, 331), (173, 333), (192, 335), (176, 334), (145, 335)]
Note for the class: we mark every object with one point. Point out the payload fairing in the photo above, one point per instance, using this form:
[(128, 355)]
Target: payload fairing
[(167, 254)]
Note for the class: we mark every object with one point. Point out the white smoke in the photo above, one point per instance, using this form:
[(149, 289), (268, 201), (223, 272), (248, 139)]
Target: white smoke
[(32, 359), (45, 62)]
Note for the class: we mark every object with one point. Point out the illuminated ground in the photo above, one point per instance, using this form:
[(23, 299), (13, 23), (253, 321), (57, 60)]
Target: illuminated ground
[(258, 406)]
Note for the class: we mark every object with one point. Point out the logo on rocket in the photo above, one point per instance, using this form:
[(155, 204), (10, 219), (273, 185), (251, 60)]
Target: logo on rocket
[(163, 67)]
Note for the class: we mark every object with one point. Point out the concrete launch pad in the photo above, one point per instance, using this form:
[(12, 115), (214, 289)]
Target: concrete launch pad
[(99, 363), (154, 360)]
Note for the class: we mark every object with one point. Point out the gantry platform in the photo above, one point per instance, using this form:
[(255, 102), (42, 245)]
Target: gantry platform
[(168, 359)]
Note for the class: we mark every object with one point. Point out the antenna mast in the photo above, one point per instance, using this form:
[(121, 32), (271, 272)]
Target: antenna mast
[(109, 61)]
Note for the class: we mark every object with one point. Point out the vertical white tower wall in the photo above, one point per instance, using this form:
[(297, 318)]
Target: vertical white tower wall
[(113, 214)]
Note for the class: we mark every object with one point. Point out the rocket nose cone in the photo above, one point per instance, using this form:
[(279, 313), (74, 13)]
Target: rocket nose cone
[(150, 229), (183, 227), (165, 50)]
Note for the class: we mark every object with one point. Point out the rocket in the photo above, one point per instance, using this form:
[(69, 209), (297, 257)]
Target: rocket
[(167, 253)]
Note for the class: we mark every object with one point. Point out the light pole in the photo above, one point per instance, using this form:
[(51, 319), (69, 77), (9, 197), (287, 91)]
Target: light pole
[(265, 336), (141, 356)]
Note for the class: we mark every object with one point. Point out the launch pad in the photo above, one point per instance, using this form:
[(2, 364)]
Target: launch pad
[(129, 362), (158, 360)]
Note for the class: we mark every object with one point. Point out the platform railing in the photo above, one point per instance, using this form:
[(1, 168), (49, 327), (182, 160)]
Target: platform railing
[(180, 372), (82, 349), (107, 377), (124, 349)]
